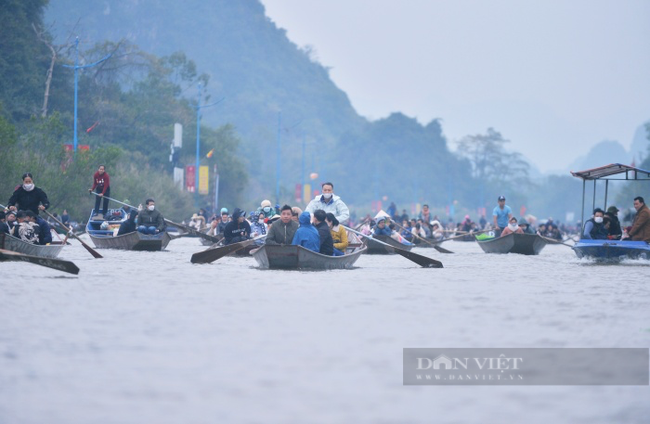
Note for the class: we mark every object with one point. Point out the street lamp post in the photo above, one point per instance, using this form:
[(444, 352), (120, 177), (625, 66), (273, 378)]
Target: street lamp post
[(76, 68), (198, 136)]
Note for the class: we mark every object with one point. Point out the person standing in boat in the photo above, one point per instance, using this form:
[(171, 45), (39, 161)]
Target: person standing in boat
[(595, 226), (284, 230), (329, 202), (501, 215), (102, 187), (238, 229), (640, 230), (150, 220), (512, 227), (28, 197)]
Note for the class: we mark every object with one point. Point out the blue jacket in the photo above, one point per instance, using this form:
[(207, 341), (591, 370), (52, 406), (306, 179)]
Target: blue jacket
[(386, 231), (307, 235), (44, 235)]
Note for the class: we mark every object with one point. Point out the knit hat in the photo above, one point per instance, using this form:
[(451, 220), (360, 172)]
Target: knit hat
[(265, 203)]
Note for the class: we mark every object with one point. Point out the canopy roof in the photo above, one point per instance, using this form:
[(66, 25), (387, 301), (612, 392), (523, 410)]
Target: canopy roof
[(609, 172)]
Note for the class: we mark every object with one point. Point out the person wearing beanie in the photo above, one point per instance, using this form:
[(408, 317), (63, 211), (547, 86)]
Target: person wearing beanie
[(238, 229), (615, 230)]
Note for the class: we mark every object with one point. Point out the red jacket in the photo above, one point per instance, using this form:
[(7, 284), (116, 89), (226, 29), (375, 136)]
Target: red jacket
[(103, 181)]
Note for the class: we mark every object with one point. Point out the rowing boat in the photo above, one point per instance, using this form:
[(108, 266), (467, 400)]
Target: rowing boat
[(9, 242), (298, 257), (523, 244), (375, 248), (107, 239)]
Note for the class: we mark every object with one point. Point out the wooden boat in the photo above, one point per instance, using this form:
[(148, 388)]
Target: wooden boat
[(380, 249), (466, 237), (610, 250), (298, 257), (9, 242), (524, 244), (106, 238), (206, 242)]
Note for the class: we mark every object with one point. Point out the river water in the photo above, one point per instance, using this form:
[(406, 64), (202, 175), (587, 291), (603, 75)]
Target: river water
[(141, 337)]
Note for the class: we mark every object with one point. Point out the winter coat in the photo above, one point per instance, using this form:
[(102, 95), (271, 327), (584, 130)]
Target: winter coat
[(306, 235), (128, 226), (44, 232), (29, 200), (640, 230), (237, 231), (340, 238), (152, 219), (334, 205), (281, 233), (594, 231), (326, 241)]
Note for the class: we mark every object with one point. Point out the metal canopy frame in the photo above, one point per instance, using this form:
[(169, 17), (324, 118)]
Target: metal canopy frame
[(611, 172)]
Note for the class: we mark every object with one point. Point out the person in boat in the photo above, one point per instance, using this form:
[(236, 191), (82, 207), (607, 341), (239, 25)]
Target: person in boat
[(329, 202), (65, 217), (436, 230), (102, 187), (326, 241), (595, 227), (425, 213), (238, 229), (129, 225), (418, 233), (25, 230), (339, 235), (28, 197), (225, 219), (512, 227), (466, 225), (258, 227), (615, 230), (482, 222), (406, 233), (4, 228), (295, 214), (381, 228), (150, 220), (284, 230), (501, 215), (197, 222), (306, 235), (640, 230), (525, 226), (10, 220), (266, 209), (44, 228)]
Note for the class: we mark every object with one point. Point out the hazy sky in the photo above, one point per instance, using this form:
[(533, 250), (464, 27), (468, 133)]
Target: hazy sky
[(553, 76)]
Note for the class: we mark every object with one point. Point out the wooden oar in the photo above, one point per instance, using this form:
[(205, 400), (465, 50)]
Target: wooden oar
[(83, 243), (61, 265), (435, 246), (553, 241), (463, 235), (175, 224), (214, 253), (418, 259)]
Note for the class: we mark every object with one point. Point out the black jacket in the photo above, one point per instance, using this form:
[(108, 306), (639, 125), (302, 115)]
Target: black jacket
[(237, 231), (326, 241), (29, 200)]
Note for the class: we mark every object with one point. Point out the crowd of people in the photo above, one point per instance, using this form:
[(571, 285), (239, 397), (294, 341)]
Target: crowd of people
[(320, 227)]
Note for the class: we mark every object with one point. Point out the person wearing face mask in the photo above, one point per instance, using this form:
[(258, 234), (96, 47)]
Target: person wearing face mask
[(28, 197), (512, 227), (266, 209), (595, 227), (258, 227), (150, 220), (329, 202)]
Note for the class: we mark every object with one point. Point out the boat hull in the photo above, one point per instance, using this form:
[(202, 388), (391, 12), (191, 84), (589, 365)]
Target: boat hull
[(375, 248), (298, 257), (523, 244), (12, 243), (132, 241), (612, 250)]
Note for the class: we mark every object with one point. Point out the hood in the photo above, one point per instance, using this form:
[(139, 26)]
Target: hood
[(236, 214), (435, 221), (305, 219)]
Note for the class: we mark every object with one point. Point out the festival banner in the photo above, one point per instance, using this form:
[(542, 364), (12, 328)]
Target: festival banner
[(190, 178), (204, 175)]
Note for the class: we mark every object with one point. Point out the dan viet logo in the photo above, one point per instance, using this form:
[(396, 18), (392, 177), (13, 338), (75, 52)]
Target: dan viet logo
[(442, 362)]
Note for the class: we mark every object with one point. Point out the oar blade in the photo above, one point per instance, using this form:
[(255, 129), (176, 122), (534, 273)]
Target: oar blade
[(58, 264), (211, 255), (441, 249), (421, 260)]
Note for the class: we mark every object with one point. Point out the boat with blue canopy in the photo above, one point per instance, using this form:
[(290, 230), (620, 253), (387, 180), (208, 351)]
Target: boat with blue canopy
[(610, 250)]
